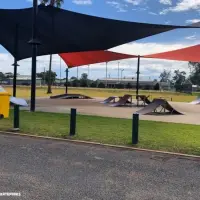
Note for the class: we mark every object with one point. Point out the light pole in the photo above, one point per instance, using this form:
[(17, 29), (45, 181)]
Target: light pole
[(106, 74), (88, 75), (77, 73), (121, 73), (44, 76), (118, 71), (88, 70)]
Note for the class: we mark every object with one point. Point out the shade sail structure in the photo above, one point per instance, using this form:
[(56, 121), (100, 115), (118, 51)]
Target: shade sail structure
[(61, 31), (186, 54), (92, 57)]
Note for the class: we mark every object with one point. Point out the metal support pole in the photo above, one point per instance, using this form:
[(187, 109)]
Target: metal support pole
[(118, 71), (34, 42), (15, 61), (66, 84), (135, 128), (137, 84), (106, 74), (73, 122), (15, 77), (16, 117), (88, 75), (88, 71), (77, 73), (60, 71), (121, 73)]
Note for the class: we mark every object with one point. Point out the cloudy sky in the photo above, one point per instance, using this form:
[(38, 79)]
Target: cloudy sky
[(175, 12)]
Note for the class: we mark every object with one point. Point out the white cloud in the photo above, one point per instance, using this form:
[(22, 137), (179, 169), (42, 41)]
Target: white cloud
[(166, 2), (183, 5), (152, 13), (133, 2), (191, 37), (82, 2), (31, 1), (192, 21), (119, 6), (122, 6)]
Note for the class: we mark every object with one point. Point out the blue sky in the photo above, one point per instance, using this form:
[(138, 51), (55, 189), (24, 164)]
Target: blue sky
[(176, 12)]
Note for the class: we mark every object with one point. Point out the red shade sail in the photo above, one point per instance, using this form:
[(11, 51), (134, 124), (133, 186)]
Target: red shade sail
[(186, 54), (92, 57)]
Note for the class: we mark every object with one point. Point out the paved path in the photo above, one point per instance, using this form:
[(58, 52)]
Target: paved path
[(52, 170)]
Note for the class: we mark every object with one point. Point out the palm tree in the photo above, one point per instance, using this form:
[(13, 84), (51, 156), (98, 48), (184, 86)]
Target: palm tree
[(58, 4)]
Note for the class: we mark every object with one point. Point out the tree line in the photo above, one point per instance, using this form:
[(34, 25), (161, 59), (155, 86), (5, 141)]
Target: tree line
[(179, 79)]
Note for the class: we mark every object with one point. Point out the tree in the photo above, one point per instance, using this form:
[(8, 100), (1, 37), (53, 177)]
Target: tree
[(165, 76), (75, 83), (2, 76), (178, 79), (84, 80), (156, 86), (9, 75), (101, 85), (94, 84), (58, 4), (195, 72), (73, 78), (44, 76)]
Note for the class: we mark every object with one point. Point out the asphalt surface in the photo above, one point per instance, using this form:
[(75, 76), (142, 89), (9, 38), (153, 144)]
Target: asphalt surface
[(52, 170)]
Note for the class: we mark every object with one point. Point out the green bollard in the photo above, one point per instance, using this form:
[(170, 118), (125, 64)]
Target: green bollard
[(16, 117), (135, 128), (73, 122)]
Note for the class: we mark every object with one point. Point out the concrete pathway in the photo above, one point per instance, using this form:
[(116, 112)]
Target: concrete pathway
[(52, 170)]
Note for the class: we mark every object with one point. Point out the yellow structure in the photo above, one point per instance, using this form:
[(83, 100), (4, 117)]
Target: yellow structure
[(4, 103)]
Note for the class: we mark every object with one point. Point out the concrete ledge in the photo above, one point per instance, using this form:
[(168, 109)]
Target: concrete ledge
[(101, 144)]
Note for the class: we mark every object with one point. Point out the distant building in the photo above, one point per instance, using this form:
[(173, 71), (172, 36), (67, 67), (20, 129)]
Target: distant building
[(24, 80), (195, 88), (131, 82)]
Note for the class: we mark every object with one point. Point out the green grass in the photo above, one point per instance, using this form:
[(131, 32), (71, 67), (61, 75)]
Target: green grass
[(153, 135), (23, 91)]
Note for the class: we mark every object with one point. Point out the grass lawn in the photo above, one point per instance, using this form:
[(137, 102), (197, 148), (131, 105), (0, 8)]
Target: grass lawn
[(95, 92), (153, 135)]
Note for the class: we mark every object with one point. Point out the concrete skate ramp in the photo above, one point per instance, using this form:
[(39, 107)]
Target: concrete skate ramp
[(70, 96), (122, 101), (109, 99), (196, 102), (156, 103)]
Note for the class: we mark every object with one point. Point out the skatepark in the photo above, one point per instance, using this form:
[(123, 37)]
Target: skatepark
[(187, 113)]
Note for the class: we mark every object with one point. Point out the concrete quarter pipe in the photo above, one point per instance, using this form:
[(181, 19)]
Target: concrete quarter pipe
[(109, 99), (156, 103)]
